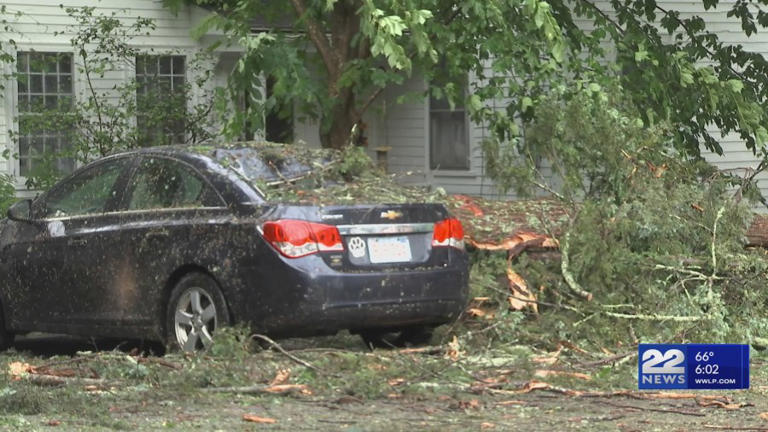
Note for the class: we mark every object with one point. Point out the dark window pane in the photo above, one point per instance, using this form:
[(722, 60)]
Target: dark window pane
[(178, 83), (22, 62), (65, 83), (36, 83), (51, 84), (36, 103), (178, 65), (151, 66), (165, 65), (448, 141), (22, 80), (35, 62), (37, 146), (49, 63), (51, 102), (65, 64), (23, 103)]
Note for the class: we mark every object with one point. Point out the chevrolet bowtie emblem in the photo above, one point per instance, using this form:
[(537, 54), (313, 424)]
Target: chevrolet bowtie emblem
[(391, 214)]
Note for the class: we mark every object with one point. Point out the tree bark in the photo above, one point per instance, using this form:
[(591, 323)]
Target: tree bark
[(342, 117)]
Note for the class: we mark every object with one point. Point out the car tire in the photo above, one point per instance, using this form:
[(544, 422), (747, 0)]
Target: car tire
[(196, 308), (6, 337), (409, 336), (416, 336)]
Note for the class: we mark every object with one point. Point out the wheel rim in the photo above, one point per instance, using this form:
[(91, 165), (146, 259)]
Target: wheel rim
[(195, 320)]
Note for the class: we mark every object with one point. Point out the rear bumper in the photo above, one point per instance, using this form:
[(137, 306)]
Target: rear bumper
[(314, 299)]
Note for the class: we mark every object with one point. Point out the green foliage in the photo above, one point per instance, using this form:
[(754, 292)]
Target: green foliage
[(655, 236), (7, 192), (354, 162), (671, 65)]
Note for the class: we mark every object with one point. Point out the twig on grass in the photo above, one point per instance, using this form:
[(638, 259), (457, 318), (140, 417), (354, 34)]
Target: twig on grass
[(655, 317), (645, 408), (737, 428), (286, 353), (611, 359), (281, 389), (53, 380)]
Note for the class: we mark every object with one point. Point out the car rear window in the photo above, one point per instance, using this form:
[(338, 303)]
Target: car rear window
[(267, 164)]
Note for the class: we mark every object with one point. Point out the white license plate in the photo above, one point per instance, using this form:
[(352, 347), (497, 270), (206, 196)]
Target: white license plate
[(389, 249)]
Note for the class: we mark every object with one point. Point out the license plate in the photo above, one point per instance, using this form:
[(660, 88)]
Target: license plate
[(389, 249)]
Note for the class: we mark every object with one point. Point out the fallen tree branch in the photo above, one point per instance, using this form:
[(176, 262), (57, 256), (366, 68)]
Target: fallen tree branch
[(53, 380), (664, 410), (286, 353), (282, 389), (736, 428), (159, 361), (610, 359), (655, 317), (565, 263)]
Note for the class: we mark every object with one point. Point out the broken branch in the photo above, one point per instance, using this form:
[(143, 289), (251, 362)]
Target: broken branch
[(286, 353)]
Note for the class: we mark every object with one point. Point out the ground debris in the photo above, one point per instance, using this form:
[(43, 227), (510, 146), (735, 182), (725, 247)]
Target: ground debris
[(280, 389), (256, 419)]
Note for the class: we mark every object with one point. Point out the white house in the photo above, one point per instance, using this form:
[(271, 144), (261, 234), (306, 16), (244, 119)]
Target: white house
[(435, 145)]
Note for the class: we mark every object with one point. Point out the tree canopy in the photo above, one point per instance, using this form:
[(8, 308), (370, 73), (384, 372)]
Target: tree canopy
[(333, 58)]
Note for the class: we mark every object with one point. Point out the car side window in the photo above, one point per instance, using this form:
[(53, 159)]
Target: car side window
[(86, 193), (164, 183)]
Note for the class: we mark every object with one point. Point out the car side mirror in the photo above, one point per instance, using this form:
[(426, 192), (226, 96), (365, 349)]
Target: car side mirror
[(21, 211)]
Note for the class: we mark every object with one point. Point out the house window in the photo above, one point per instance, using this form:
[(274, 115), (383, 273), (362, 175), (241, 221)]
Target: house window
[(45, 95), (448, 135), (278, 119), (161, 99)]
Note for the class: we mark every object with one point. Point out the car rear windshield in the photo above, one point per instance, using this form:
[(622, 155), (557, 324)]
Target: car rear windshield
[(267, 164)]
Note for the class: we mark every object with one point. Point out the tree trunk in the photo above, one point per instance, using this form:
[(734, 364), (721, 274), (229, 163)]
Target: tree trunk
[(342, 118)]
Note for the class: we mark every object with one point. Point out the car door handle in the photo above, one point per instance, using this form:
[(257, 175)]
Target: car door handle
[(157, 234), (77, 242)]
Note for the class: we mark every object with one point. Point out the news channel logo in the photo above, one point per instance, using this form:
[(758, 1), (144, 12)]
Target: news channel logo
[(693, 366)]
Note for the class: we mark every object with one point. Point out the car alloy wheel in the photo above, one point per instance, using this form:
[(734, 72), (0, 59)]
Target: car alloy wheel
[(195, 320), (196, 310)]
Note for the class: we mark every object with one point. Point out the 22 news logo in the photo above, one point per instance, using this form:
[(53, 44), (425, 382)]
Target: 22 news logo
[(662, 369)]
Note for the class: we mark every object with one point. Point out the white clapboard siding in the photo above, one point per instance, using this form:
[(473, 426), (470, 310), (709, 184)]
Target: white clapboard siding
[(44, 26)]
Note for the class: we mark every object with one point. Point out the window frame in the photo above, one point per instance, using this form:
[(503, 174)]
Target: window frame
[(188, 100), (451, 172), (12, 103), (128, 191)]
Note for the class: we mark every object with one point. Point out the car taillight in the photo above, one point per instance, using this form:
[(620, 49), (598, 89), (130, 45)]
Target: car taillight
[(298, 238), (448, 232)]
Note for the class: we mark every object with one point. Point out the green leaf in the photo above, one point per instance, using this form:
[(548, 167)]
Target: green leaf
[(736, 85)]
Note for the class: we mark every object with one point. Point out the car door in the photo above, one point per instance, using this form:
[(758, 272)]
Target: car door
[(63, 261), (169, 211)]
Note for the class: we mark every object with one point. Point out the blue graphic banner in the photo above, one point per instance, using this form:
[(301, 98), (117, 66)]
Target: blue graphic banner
[(693, 366)]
